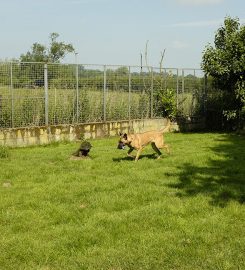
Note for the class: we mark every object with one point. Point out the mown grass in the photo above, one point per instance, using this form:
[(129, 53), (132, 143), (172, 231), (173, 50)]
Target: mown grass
[(185, 211)]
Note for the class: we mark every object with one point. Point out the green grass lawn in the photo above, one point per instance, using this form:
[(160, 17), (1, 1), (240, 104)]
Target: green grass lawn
[(185, 211)]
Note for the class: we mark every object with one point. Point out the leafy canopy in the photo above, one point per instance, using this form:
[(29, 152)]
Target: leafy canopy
[(53, 54), (225, 62)]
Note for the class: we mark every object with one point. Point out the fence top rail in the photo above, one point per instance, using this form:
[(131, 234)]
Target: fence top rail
[(101, 65)]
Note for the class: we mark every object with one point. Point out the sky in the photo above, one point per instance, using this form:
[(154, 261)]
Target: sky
[(116, 31)]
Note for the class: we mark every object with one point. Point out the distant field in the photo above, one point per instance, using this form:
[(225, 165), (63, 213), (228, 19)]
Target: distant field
[(28, 106), (185, 211)]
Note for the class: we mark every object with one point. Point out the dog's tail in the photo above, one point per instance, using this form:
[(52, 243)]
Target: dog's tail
[(167, 128)]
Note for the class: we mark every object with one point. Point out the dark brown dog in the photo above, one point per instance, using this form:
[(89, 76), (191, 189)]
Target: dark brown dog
[(83, 150), (139, 140)]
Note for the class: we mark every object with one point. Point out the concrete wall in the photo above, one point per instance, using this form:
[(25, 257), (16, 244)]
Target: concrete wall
[(44, 135)]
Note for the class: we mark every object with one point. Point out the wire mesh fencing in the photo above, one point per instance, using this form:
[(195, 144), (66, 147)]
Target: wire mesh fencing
[(191, 92), (38, 94)]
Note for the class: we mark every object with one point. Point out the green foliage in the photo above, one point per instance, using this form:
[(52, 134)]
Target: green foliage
[(166, 102), (58, 50), (143, 106), (240, 95), (225, 62), (168, 99), (38, 53), (84, 106), (53, 54)]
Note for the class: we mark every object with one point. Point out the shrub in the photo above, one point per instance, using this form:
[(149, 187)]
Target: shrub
[(168, 100)]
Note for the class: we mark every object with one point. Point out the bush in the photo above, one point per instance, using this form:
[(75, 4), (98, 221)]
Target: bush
[(168, 100)]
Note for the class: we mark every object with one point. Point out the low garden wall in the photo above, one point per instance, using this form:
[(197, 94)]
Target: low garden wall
[(16, 137)]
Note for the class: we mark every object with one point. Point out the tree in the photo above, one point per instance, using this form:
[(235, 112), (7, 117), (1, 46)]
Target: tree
[(225, 63), (53, 54), (38, 54), (58, 50)]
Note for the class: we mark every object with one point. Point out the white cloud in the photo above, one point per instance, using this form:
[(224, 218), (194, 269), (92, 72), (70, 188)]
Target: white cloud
[(199, 2)]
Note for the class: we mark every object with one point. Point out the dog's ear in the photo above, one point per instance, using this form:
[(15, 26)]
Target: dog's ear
[(120, 133), (125, 136)]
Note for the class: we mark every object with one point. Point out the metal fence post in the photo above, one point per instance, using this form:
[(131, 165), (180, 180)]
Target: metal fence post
[(104, 95), (46, 93), (205, 95), (12, 94), (177, 89), (151, 101), (77, 94), (129, 93), (183, 81)]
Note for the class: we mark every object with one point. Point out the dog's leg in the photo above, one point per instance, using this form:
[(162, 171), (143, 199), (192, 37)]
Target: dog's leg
[(166, 147), (130, 151), (138, 154), (153, 145)]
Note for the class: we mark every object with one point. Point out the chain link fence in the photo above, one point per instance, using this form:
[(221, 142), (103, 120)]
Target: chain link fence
[(37, 94)]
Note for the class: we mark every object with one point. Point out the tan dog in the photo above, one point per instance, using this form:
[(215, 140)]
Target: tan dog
[(139, 140)]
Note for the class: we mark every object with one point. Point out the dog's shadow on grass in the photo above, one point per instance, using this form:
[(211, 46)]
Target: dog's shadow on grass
[(148, 156)]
